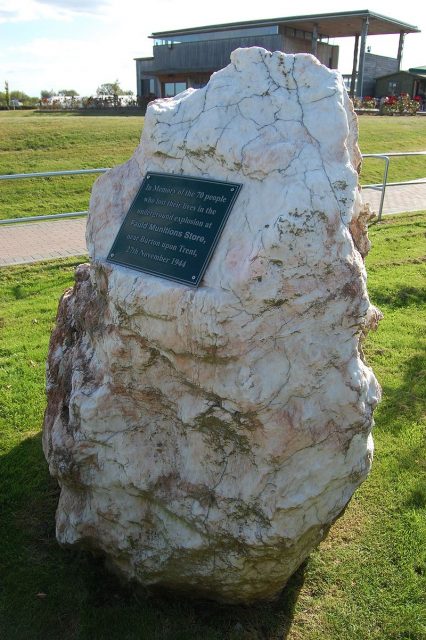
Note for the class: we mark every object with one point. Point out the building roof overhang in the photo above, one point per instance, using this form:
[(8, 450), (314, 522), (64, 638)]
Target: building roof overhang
[(419, 76), (333, 25)]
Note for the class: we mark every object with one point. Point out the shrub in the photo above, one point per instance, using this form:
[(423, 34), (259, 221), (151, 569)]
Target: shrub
[(368, 102), (401, 105)]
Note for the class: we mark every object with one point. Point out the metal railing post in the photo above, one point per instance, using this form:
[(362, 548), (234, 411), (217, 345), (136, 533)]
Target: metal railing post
[(387, 157), (385, 178), (385, 181)]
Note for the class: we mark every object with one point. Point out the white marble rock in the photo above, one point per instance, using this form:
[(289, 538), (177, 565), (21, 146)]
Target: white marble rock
[(205, 440)]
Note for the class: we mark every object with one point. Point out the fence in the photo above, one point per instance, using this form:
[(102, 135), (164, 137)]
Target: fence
[(47, 174), (382, 185)]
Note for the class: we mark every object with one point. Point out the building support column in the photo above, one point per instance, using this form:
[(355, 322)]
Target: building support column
[(354, 66), (364, 34), (315, 40), (400, 49)]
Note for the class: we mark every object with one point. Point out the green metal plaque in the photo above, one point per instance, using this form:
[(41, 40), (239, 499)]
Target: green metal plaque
[(173, 226)]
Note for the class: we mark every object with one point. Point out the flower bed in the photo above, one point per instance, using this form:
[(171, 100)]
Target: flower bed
[(401, 105)]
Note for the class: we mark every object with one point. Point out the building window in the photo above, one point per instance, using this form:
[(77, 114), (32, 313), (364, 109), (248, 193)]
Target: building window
[(199, 84), (392, 88), (171, 89), (224, 34)]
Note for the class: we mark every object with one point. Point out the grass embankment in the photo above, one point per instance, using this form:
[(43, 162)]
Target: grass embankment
[(381, 134), (33, 142), (365, 582)]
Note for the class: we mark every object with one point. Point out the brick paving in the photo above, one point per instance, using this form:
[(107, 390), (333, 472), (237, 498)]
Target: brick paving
[(34, 241), (398, 199)]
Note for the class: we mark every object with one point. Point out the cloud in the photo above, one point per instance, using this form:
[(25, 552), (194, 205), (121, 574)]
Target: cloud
[(84, 43), (78, 6), (30, 10), (21, 10), (56, 62)]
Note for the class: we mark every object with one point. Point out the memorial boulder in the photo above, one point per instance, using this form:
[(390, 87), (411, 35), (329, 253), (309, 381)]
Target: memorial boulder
[(205, 438)]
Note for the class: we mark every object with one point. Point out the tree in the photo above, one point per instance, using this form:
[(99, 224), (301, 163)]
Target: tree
[(26, 100), (109, 89), (68, 92), (6, 93), (112, 89), (6, 100), (19, 95), (45, 93)]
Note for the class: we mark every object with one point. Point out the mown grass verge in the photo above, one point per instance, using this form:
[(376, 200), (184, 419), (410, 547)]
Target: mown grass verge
[(367, 581), (35, 142), (381, 134)]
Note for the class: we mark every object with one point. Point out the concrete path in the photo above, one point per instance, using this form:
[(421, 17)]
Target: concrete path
[(34, 241), (398, 199)]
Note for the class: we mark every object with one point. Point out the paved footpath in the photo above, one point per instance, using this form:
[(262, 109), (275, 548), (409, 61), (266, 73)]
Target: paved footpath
[(34, 241), (398, 199)]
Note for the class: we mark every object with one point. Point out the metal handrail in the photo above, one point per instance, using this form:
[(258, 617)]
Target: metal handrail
[(386, 157), (51, 216), (385, 177), (49, 174), (392, 155), (56, 216)]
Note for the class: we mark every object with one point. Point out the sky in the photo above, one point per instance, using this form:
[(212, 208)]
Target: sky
[(81, 44)]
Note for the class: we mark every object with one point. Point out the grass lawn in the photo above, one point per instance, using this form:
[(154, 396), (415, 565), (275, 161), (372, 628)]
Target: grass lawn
[(34, 142), (367, 580), (379, 134)]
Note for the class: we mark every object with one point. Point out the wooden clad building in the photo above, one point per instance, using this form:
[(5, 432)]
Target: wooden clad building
[(412, 82), (186, 58)]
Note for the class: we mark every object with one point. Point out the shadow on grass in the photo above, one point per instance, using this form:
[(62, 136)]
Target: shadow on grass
[(405, 403), (48, 592), (408, 220), (400, 297)]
